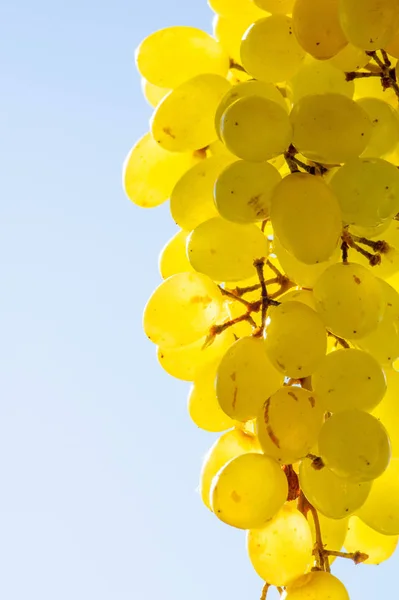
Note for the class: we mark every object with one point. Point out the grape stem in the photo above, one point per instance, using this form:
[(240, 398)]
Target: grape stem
[(236, 66), (357, 557), (251, 306), (322, 562), (348, 241), (317, 461), (259, 265), (218, 329), (339, 340), (387, 74), (293, 163), (265, 589)]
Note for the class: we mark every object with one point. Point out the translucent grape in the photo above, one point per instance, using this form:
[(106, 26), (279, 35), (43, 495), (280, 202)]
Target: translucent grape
[(355, 445), (243, 191), (170, 56), (367, 190), (361, 538), (247, 89), (348, 379), (149, 172), (317, 27), (289, 423), (173, 258), (296, 340), (270, 51), (371, 27), (248, 491), (225, 251), (234, 8), (366, 87), (319, 77), (191, 200), (256, 129), (276, 7), (393, 47), (229, 445), (350, 58), (317, 585), (185, 119), (282, 550), (349, 299), (203, 407), (184, 362), (229, 32), (385, 127), (306, 217), (299, 295), (245, 378), (387, 411), (182, 309), (381, 509), (334, 497), (153, 93), (330, 128)]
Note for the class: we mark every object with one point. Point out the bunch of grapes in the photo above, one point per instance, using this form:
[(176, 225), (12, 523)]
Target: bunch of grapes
[(276, 143)]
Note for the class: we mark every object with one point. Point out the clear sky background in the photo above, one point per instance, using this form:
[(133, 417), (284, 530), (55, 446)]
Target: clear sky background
[(98, 459)]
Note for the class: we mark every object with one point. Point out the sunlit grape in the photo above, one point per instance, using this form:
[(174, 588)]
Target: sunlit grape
[(318, 585), (381, 509), (317, 27), (371, 25), (361, 538)]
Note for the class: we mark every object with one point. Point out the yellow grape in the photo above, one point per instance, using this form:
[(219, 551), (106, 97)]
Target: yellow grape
[(170, 56), (367, 190), (191, 200), (276, 7), (333, 532), (385, 126), (235, 8), (173, 258), (229, 445), (319, 77), (255, 128), (355, 445), (332, 496), (330, 128), (383, 342), (149, 172), (393, 47), (281, 551), (185, 119), (184, 362), (350, 58), (270, 50), (153, 93), (245, 89), (317, 585), (217, 148), (367, 87), (289, 423), (296, 340), (302, 274), (229, 32), (318, 28), (381, 509), (225, 251), (203, 406), (306, 217), (243, 191), (348, 379), (371, 25), (182, 309), (361, 538), (245, 378), (299, 295), (248, 491), (349, 299), (387, 410)]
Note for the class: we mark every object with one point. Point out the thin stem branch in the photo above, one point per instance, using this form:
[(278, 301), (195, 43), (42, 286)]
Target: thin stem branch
[(340, 340), (321, 559), (265, 589), (250, 305), (259, 265), (357, 557)]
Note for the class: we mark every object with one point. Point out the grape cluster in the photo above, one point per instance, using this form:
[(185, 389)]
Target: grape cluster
[(276, 142)]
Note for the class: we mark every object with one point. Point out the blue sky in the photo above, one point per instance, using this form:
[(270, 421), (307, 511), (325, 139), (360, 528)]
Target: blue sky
[(98, 459)]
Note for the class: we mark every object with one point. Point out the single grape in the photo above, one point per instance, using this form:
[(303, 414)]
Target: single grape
[(317, 585), (281, 551), (173, 258), (370, 26), (245, 378), (381, 509), (299, 295), (317, 27), (202, 405), (349, 299), (296, 341), (153, 93), (243, 191), (385, 127), (149, 172), (229, 31), (306, 217), (235, 8), (276, 7), (248, 491), (289, 423), (361, 538), (225, 251), (170, 56), (334, 497), (330, 128), (387, 410), (255, 128), (348, 379), (229, 445), (185, 119), (319, 77), (355, 445), (182, 309), (350, 58)]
